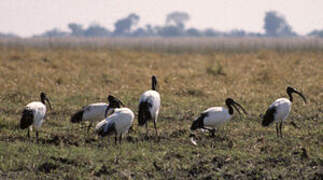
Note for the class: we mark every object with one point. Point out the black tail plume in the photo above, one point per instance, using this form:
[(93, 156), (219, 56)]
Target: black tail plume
[(268, 118), (144, 113), (198, 123), (77, 117), (26, 119), (104, 131)]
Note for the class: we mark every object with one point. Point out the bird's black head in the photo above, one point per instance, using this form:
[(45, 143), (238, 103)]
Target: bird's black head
[(43, 98), (291, 90), (113, 103), (230, 102), (154, 82)]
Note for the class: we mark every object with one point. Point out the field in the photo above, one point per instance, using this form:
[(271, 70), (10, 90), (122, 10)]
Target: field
[(189, 82)]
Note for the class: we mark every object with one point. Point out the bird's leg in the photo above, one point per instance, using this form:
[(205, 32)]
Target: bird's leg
[(100, 142), (28, 134), (212, 132), (37, 135), (89, 127), (146, 129), (115, 139), (155, 126), (280, 129), (277, 130), (120, 139), (83, 125)]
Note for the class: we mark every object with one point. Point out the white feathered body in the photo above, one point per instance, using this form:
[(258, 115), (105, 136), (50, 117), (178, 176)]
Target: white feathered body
[(153, 98), (216, 116), (283, 107), (39, 112), (122, 119), (94, 112)]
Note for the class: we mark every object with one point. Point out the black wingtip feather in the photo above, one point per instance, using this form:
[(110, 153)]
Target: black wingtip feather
[(144, 113), (198, 123), (77, 117), (268, 118), (26, 119), (109, 130)]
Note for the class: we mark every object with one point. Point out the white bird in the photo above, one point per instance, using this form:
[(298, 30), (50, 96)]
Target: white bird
[(279, 110), (34, 114), (117, 123), (149, 105), (96, 111), (216, 116)]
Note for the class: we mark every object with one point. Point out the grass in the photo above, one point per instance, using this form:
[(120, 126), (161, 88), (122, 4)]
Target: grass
[(189, 83), (171, 45)]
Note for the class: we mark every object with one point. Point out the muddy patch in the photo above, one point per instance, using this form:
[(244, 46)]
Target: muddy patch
[(59, 140), (90, 140), (198, 169), (132, 139), (218, 161), (277, 161), (13, 138), (104, 171), (64, 161), (47, 167), (178, 133), (154, 138), (173, 155)]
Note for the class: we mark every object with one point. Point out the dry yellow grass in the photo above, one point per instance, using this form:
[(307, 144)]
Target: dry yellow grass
[(189, 83)]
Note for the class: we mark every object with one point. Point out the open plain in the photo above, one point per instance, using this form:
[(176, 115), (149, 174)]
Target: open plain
[(189, 82)]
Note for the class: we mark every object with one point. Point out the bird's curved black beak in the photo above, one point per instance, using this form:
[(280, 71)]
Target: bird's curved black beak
[(235, 104), (49, 104), (300, 94), (237, 109)]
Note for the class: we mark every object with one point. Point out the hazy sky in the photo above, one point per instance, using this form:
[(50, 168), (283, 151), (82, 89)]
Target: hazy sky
[(28, 17)]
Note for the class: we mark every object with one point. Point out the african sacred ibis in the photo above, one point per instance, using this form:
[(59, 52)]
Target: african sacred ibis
[(117, 123), (34, 114), (149, 105), (279, 110), (96, 111), (216, 116)]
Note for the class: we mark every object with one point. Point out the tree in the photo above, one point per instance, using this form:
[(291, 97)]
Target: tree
[(53, 33), (211, 32), (193, 32), (170, 31), (96, 30), (77, 29), (123, 26), (177, 19), (316, 33), (8, 35), (236, 33), (276, 25)]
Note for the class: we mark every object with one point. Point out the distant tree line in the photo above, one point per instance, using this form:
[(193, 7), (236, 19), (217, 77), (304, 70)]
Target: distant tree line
[(275, 25)]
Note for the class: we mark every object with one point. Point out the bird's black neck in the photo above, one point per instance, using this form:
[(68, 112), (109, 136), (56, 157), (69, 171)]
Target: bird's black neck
[(153, 87), (230, 109), (42, 100), (290, 97), (154, 83)]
